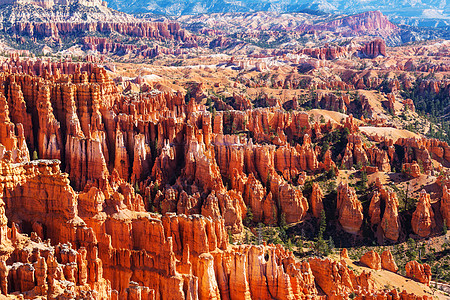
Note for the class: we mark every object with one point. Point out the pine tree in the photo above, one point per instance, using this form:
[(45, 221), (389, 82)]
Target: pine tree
[(136, 188), (230, 237), (321, 246), (289, 244), (248, 217), (330, 244), (444, 228), (259, 234), (364, 180), (322, 224)]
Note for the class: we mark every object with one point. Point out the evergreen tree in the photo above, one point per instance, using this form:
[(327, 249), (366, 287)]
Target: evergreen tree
[(444, 228), (322, 224), (259, 234), (321, 246), (230, 237)]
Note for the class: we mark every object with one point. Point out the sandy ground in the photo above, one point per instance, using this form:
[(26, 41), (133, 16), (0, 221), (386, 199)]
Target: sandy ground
[(390, 132), (334, 116)]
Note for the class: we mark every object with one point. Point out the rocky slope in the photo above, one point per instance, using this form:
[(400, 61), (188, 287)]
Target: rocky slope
[(80, 117), (77, 30), (180, 178), (136, 196)]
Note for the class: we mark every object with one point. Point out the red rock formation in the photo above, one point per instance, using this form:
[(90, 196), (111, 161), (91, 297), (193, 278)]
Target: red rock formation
[(422, 150), (328, 163), (372, 260), (388, 262), (445, 204), (11, 142), (283, 276), (181, 163), (390, 103), (316, 200), (327, 52), (34, 197), (409, 104), (418, 272), (338, 282), (262, 206), (374, 209), (412, 169), (390, 222), (334, 278), (330, 101), (349, 208), (109, 46), (371, 21), (19, 112), (423, 217), (374, 48), (154, 30), (291, 202)]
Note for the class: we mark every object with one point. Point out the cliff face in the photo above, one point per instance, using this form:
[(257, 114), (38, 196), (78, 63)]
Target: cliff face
[(154, 30), (374, 48), (373, 21)]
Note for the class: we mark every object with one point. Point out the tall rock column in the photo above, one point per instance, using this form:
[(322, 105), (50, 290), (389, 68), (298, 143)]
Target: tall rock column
[(423, 217), (445, 205), (316, 200), (350, 209), (390, 222), (49, 135)]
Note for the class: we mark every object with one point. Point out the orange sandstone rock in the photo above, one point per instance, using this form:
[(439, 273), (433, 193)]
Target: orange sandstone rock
[(334, 278), (390, 222), (290, 199), (412, 169), (423, 217), (349, 208), (316, 200), (372, 260), (418, 272), (374, 209), (344, 253), (388, 262), (445, 204), (374, 48)]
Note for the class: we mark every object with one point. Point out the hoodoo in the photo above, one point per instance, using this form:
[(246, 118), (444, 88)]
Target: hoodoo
[(222, 152)]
